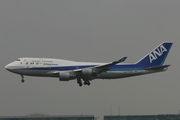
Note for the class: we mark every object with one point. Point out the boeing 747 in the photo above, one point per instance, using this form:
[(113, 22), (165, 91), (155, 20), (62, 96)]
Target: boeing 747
[(84, 72)]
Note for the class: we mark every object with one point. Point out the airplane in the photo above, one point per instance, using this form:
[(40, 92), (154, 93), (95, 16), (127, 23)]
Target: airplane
[(85, 72)]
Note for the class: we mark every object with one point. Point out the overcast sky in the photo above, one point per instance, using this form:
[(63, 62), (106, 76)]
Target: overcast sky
[(94, 31)]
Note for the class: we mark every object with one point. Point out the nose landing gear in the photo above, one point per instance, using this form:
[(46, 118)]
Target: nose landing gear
[(22, 80)]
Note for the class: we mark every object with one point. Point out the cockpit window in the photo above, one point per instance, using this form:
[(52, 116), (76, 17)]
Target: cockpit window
[(17, 59)]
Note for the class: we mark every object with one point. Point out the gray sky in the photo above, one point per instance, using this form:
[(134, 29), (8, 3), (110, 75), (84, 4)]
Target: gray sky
[(89, 30)]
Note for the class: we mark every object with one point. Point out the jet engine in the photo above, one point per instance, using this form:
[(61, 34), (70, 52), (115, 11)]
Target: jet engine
[(88, 72), (66, 76)]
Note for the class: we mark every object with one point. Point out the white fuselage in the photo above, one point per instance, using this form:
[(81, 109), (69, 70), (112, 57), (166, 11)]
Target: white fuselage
[(44, 67)]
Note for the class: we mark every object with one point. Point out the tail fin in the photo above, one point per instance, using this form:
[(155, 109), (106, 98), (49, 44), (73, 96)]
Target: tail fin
[(157, 56)]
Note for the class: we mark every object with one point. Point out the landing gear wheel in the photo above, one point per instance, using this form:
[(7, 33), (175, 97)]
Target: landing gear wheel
[(22, 80), (88, 83), (80, 84)]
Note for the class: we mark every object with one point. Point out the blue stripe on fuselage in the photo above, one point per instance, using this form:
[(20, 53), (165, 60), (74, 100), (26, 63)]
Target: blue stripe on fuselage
[(121, 67)]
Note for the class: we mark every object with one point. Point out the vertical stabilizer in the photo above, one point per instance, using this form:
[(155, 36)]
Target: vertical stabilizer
[(157, 56)]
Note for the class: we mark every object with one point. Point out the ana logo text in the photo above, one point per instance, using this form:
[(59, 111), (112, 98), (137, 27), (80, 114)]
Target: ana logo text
[(157, 53)]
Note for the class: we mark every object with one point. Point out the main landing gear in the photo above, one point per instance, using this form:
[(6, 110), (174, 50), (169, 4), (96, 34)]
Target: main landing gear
[(79, 81), (22, 80), (86, 82)]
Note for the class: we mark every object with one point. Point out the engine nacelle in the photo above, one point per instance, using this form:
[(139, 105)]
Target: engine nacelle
[(87, 72), (65, 76)]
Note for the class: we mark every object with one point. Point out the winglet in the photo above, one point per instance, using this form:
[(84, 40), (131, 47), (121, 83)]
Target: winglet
[(119, 61), (122, 59)]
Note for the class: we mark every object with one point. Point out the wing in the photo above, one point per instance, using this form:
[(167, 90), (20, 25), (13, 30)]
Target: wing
[(105, 67), (101, 68)]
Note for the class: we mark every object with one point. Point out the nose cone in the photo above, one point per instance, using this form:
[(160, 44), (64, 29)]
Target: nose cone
[(10, 67), (13, 67), (7, 67)]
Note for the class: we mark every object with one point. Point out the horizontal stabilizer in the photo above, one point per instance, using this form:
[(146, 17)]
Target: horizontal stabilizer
[(157, 67)]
